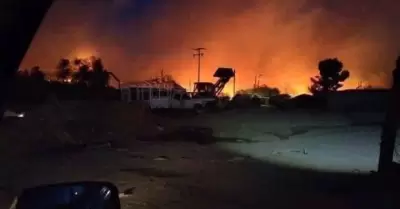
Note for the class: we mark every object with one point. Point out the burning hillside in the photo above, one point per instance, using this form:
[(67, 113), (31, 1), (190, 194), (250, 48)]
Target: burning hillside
[(282, 40)]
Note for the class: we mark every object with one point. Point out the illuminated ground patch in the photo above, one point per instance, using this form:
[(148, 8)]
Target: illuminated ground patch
[(339, 149)]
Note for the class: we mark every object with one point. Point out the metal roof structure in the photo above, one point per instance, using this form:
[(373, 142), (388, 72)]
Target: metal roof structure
[(153, 83)]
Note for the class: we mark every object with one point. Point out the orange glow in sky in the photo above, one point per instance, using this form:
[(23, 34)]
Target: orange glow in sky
[(82, 52), (274, 38)]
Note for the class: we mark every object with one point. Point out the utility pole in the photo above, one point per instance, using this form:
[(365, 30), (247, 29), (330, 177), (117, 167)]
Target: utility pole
[(198, 53), (389, 127), (234, 83), (258, 81)]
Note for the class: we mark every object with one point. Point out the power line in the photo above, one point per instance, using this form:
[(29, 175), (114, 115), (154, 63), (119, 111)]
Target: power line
[(199, 53)]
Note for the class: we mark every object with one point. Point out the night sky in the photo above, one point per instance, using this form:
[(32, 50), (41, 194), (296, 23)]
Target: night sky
[(281, 39)]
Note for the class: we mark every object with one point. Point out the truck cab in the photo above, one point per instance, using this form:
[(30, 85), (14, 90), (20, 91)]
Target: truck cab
[(183, 100)]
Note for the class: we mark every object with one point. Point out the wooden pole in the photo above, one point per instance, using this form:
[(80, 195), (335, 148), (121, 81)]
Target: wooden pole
[(234, 82), (389, 127), (199, 53)]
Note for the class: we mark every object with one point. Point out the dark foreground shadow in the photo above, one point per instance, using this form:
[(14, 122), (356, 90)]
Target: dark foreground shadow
[(252, 183), (232, 181), (279, 186)]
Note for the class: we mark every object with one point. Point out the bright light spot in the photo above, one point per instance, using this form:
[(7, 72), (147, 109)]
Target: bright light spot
[(9, 113), (330, 150), (298, 89), (83, 53)]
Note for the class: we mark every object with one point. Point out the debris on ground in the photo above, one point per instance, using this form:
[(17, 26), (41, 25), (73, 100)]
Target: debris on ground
[(129, 191), (92, 124), (303, 151), (161, 158), (276, 152), (237, 159)]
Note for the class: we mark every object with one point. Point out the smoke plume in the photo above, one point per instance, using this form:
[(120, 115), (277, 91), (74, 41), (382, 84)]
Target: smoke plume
[(282, 40)]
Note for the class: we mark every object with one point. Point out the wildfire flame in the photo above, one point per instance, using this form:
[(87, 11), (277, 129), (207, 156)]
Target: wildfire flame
[(281, 39)]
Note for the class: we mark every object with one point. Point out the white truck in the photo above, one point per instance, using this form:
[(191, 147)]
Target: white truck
[(165, 98), (179, 100)]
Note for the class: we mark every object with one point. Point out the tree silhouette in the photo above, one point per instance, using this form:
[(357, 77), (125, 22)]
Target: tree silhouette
[(267, 91), (37, 74), (263, 90), (77, 62), (100, 77), (330, 78), (83, 73), (63, 70), (23, 73)]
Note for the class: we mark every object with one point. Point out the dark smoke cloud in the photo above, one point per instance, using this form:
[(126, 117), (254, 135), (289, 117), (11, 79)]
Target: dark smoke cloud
[(281, 39)]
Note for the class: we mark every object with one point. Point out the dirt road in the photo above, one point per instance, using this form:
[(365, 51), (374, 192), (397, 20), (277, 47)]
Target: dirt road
[(187, 175)]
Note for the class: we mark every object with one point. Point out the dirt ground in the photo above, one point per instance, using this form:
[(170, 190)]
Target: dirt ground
[(184, 174)]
